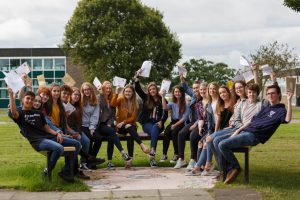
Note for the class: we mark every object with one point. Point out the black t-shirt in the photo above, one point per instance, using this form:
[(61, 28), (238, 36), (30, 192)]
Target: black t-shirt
[(31, 123)]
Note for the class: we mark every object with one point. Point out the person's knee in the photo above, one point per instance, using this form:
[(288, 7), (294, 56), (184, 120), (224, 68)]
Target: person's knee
[(59, 149)]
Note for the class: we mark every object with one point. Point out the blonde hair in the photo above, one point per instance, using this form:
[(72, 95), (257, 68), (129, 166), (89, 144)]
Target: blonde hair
[(84, 99), (103, 87), (208, 97), (132, 104)]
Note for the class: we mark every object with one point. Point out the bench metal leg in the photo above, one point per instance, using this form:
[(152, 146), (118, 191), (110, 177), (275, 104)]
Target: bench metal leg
[(72, 160), (246, 179), (49, 169)]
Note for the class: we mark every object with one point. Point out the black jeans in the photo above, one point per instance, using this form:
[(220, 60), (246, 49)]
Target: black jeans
[(182, 135), (112, 138), (134, 136), (171, 134), (194, 139)]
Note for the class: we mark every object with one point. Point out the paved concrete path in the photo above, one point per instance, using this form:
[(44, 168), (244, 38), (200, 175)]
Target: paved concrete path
[(178, 194)]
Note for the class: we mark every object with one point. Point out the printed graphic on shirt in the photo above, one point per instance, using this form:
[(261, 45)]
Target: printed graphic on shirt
[(271, 113), (30, 118)]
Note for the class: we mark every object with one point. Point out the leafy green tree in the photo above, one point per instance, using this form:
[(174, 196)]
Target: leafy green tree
[(200, 69), (113, 38), (292, 4), (278, 56)]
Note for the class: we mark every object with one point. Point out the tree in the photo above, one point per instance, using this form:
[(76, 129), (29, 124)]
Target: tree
[(208, 71), (113, 38), (278, 56), (292, 4)]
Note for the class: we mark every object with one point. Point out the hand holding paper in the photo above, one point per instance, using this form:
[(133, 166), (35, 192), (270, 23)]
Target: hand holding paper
[(290, 84), (97, 83), (13, 81), (165, 85), (23, 69), (41, 80), (266, 70), (146, 68), (182, 71), (68, 80), (118, 81)]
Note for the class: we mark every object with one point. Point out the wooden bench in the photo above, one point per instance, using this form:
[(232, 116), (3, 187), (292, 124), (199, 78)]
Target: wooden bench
[(69, 152), (244, 150)]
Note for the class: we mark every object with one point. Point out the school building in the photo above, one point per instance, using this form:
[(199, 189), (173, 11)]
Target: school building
[(52, 62)]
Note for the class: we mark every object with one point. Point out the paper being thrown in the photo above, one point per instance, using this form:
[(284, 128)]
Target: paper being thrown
[(146, 68)]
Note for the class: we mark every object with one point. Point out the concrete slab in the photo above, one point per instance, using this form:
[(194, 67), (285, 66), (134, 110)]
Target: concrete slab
[(145, 178), (36, 195), (87, 195), (134, 193), (6, 194), (237, 194)]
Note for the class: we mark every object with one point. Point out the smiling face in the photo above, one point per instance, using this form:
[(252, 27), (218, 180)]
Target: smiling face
[(44, 96), (224, 95), (27, 102), (107, 89), (65, 96), (202, 91), (196, 88), (37, 102), (55, 92), (86, 90), (239, 89), (128, 93), (152, 91), (75, 97), (177, 94), (212, 90), (273, 96), (252, 95)]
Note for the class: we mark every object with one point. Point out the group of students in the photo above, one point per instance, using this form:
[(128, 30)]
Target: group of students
[(216, 120)]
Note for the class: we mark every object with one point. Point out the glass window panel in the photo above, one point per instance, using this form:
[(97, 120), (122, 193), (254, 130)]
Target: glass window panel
[(3, 94), (48, 74), (59, 74), (49, 81), (59, 81), (37, 64), (14, 63), (36, 73), (35, 82), (4, 64), (48, 64), (60, 64), (3, 84)]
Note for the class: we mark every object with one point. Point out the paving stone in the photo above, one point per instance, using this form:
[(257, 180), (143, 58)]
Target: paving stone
[(183, 192), (237, 194), (6, 195), (135, 193), (87, 195), (36, 195)]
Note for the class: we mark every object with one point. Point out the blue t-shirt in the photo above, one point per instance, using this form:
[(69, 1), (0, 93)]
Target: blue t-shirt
[(175, 115), (264, 124)]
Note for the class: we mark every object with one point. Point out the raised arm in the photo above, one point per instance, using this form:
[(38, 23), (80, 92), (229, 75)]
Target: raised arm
[(163, 100), (12, 103), (288, 116), (139, 90)]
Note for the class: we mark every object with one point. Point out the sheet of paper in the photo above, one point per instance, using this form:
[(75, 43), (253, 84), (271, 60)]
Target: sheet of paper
[(23, 69), (97, 83), (68, 80), (238, 77), (290, 84), (14, 81), (27, 80), (182, 71), (41, 80), (118, 81), (69, 108), (244, 62), (165, 85), (266, 70), (146, 68), (248, 76)]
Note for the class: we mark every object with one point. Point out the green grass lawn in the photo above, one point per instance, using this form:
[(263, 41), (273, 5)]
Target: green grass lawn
[(274, 166)]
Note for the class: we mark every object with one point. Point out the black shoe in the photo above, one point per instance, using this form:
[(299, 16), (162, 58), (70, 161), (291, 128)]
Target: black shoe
[(126, 157), (96, 161), (91, 166), (45, 172), (153, 163), (66, 177), (81, 175)]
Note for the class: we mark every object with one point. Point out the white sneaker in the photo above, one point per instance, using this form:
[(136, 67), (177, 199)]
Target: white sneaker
[(180, 163), (191, 165)]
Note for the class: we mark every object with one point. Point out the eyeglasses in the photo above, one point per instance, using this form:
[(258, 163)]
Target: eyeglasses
[(271, 93), (87, 89), (76, 94)]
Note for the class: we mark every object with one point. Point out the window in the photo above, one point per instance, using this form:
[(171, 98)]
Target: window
[(48, 64), (3, 84), (14, 63), (4, 65), (37, 64), (28, 60), (3, 94), (60, 64)]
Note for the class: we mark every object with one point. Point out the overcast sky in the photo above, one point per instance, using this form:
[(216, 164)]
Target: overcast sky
[(218, 30)]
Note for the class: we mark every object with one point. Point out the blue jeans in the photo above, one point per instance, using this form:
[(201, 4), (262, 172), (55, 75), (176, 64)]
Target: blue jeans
[(240, 140), (85, 145), (153, 130), (209, 145), (58, 149)]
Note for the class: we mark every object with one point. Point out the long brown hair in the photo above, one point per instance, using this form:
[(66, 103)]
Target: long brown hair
[(93, 99), (182, 103), (77, 105), (132, 104), (150, 100), (103, 87), (221, 103)]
